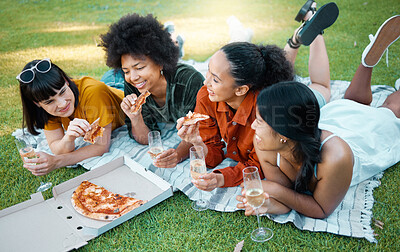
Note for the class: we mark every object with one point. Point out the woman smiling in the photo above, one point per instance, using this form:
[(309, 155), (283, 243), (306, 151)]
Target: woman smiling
[(236, 74), (65, 108), (148, 57)]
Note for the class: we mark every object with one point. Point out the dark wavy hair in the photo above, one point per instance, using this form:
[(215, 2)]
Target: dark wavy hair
[(257, 65), (41, 88), (140, 36), (292, 110)]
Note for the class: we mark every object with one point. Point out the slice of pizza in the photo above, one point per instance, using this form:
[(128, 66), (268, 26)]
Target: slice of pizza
[(193, 118), (140, 101), (95, 132), (98, 203)]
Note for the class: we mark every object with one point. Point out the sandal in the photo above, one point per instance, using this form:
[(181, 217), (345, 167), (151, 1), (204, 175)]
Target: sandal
[(293, 44), (304, 9), (322, 19)]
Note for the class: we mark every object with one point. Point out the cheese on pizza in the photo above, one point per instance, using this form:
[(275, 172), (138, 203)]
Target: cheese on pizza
[(193, 118), (95, 132), (96, 202), (140, 101)]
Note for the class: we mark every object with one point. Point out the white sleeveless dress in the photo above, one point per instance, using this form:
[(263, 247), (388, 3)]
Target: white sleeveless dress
[(372, 133)]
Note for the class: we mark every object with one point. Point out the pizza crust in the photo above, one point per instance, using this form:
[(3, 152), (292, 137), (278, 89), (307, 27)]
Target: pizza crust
[(97, 203), (140, 101)]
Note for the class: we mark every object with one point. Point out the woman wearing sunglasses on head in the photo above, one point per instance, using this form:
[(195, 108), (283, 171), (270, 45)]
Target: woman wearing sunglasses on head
[(65, 109)]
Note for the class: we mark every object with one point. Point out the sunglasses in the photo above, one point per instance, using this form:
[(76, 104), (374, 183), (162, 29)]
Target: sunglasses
[(28, 75)]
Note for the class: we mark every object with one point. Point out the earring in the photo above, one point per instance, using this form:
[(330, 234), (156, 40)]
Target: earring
[(161, 72), (282, 141)]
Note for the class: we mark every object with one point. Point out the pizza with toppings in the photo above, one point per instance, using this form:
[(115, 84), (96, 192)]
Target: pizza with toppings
[(96, 202), (193, 118), (95, 132), (140, 101)]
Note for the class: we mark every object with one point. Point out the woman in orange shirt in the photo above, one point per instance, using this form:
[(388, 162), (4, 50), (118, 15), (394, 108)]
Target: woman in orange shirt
[(65, 109), (236, 74)]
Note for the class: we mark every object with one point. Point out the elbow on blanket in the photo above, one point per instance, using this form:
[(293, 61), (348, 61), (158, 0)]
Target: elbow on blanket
[(320, 214), (105, 149), (101, 149)]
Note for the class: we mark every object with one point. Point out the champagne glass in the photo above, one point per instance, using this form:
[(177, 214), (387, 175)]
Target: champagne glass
[(155, 144), (255, 198), (26, 151), (198, 168)]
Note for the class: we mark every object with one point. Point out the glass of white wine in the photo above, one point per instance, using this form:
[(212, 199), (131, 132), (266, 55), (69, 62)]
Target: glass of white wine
[(26, 151), (198, 168), (255, 198), (155, 144)]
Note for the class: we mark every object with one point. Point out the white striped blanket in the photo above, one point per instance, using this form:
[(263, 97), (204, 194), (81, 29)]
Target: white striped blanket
[(351, 218)]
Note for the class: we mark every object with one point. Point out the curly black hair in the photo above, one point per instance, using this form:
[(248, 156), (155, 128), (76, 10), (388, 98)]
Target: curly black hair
[(140, 36)]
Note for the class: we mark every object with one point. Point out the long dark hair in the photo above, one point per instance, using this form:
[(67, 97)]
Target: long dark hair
[(42, 87), (292, 110), (257, 65)]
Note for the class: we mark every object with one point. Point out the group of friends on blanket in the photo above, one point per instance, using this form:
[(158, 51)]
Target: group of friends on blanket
[(308, 150)]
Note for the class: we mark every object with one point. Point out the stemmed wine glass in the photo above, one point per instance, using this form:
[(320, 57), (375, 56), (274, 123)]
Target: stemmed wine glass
[(26, 151), (198, 168), (155, 144), (255, 198)]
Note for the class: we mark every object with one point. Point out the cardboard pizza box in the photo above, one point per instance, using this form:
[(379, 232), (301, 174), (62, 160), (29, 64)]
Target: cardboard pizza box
[(54, 225)]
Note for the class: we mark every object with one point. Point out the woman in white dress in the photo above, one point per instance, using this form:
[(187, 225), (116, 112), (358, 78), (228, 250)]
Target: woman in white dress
[(309, 156)]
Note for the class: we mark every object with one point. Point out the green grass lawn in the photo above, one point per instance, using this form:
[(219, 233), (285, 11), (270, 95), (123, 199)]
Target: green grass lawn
[(68, 31)]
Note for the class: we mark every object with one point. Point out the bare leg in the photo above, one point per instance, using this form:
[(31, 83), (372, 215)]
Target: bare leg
[(291, 53), (360, 86), (318, 62), (318, 68), (318, 65), (393, 103)]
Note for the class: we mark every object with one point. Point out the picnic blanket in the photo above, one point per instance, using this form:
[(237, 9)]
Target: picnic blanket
[(351, 218)]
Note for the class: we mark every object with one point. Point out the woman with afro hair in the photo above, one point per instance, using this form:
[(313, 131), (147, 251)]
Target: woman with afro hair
[(148, 57)]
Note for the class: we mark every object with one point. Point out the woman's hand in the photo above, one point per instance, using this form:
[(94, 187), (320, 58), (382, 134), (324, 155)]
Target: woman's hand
[(249, 210), (189, 133), (209, 181), (271, 205), (127, 104), (76, 128), (167, 159), (42, 165)]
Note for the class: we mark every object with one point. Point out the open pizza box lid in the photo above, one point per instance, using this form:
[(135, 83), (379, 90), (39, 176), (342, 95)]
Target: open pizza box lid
[(54, 225)]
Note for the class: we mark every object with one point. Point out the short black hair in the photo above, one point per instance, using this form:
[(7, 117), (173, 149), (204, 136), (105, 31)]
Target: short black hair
[(140, 36), (41, 88)]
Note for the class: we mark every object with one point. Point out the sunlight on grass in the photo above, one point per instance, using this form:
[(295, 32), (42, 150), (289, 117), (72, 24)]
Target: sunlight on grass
[(69, 58), (77, 61), (70, 27), (203, 37), (67, 31)]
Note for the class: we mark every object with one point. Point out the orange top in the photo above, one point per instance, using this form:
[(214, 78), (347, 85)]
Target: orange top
[(96, 100), (227, 128)]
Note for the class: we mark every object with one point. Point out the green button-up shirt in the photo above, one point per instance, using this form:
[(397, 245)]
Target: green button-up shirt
[(182, 89)]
